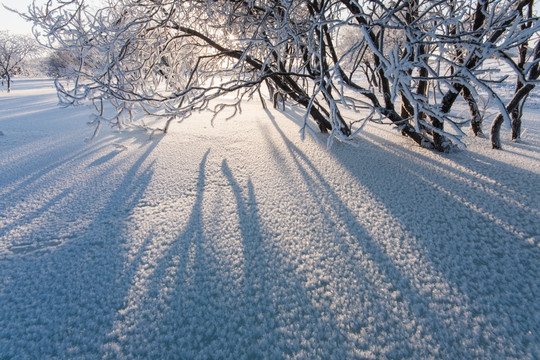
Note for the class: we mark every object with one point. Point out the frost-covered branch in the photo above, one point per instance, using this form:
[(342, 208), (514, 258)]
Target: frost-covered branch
[(344, 61)]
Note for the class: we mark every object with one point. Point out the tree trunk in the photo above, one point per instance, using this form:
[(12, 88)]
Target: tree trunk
[(476, 121), (516, 123), (496, 126), (523, 49), (519, 96), (438, 139), (263, 103)]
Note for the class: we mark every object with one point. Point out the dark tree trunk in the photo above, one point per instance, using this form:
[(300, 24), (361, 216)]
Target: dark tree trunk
[(496, 126), (516, 122), (438, 139), (476, 121), (450, 97), (263, 103), (517, 112), (519, 97)]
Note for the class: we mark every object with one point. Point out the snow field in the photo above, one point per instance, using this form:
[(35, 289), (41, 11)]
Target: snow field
[(241, 241)]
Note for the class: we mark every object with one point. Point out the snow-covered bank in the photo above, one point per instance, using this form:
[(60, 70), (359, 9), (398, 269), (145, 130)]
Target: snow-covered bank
[(240, 241)]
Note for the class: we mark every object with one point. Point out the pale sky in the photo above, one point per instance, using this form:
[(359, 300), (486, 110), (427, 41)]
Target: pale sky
[(11, 21)]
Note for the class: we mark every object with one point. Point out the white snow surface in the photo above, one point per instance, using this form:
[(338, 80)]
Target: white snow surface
[(240, 241)]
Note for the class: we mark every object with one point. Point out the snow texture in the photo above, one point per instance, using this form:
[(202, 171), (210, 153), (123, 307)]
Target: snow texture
[(240, 241)]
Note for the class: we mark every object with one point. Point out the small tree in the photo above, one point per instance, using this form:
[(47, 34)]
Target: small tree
[(14, 49)]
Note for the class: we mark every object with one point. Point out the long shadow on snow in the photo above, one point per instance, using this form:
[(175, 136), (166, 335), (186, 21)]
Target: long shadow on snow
[(195, 307), (21, 169), (192, 305), (491, 259), (488, 264), (473, 236), (39, 173), (153, 316), (500, 182), (494, 190), (415, 304), (275, 293), (62, 302)]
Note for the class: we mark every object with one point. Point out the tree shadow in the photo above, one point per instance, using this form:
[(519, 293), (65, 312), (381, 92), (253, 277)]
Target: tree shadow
[(491, 185), (474, 227), (24, 180), (393, 292), (146, 307), (357, 267), (60, 300), (21, 176), (468, 239), (212, 293)]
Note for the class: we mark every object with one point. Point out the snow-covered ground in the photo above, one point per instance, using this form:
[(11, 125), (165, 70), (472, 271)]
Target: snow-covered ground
[(241, 241)]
